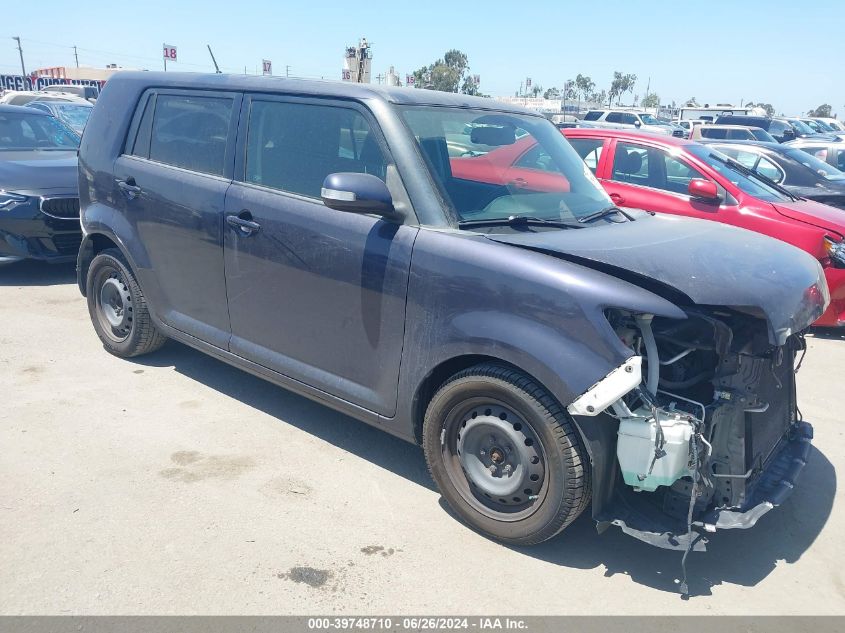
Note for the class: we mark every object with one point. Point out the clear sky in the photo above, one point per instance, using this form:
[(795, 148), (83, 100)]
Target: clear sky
[(720, 51)]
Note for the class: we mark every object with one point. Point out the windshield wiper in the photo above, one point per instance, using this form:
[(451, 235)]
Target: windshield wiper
[(518, 220), (603, 213)]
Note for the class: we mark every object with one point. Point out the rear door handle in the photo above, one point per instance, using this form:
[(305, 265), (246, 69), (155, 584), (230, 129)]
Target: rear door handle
[(243, 224), (129, 188), (617, 198)]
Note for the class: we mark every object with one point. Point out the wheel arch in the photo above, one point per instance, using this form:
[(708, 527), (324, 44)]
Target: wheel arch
[(435, 379), (92, 245)]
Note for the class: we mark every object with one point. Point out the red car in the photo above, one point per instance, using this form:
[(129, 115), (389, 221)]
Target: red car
[(523, 165), (671, 175)]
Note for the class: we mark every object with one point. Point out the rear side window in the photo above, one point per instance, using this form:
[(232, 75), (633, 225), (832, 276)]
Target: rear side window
[(713, 133), (188, 132), (593, 115), (294, 146), (589, 149), (614, 117)]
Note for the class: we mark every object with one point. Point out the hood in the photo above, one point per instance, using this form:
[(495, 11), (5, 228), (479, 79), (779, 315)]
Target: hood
[(815, 213), (832, 194), (709, 263), (30, 171)]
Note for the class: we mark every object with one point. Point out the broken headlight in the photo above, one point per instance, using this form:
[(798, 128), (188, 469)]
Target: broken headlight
[(835, 251)]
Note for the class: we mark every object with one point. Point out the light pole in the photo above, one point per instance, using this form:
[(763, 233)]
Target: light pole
[(20, 50)]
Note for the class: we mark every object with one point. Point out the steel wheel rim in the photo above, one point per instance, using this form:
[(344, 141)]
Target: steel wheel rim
[(113, 302), (481, 439)]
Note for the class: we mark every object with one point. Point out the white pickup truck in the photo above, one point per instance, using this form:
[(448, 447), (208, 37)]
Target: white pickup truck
[(625, 119)]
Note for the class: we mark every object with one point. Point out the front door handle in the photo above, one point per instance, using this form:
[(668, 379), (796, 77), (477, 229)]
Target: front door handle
[(618, 199), (243, 224), (129, 188)]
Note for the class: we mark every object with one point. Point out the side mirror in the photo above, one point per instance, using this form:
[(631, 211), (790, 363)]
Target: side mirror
[(358, 193), (704, 190), (788, 135), (637, 123)]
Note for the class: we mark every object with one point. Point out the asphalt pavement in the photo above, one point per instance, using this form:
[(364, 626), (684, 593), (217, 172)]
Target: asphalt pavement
[(176, 484)]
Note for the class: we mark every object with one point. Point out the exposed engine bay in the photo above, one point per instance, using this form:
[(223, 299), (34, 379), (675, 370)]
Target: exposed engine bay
[(710, 438)]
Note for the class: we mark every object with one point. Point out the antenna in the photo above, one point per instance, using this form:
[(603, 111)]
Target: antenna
[(216, 67)]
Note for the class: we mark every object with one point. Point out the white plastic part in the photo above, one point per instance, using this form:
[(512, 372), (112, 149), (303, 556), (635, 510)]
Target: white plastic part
[(609, 389), (636, 444)]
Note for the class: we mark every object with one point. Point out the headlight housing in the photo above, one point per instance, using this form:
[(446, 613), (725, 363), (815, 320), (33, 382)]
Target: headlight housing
[(835, 251), (9, 200)]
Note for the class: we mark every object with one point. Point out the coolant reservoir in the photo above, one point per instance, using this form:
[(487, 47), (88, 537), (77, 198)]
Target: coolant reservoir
[(636, 445)]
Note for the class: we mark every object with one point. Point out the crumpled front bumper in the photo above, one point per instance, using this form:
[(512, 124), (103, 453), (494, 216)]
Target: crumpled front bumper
[(772, 487)]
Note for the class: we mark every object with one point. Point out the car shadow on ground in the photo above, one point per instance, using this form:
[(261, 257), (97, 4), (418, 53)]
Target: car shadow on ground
[(363, 440), (36, 273), (829, 333), (740, 557)]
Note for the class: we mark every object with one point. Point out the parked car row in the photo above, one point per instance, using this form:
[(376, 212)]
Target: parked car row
[(445, 267)]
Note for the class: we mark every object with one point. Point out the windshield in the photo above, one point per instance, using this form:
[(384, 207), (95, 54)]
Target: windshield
[(822, 168), (747, 183), (801, 127), (74, 115), (763, 135), (35, 131), (491, 166), (819, 126), (652, 120)]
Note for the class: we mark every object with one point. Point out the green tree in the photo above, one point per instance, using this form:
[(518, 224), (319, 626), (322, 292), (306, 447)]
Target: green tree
[(768, 107), (621, 84), (823, 111), (651, 100), (552, 93), (570, 92), (449, 74), (692, 102), (583, 86)]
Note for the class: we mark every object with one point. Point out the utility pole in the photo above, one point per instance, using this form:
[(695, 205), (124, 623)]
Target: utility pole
[(20, 50), (76, 56), (287, 70)]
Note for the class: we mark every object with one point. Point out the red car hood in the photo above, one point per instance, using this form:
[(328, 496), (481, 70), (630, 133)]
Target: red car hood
[(815, 213)]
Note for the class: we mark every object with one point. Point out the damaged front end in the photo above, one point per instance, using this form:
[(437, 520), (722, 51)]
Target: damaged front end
[(710, 438)]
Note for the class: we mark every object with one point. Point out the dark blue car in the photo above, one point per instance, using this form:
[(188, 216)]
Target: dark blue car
[(39, 203), (549, 351)]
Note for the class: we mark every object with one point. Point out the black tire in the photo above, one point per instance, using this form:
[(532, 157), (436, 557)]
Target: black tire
[(118, 309), (472, 411)]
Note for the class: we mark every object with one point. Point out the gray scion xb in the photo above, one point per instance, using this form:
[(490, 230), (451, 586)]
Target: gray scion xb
[(447, 268)]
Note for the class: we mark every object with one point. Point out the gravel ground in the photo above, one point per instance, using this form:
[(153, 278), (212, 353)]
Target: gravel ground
[(176, 484)]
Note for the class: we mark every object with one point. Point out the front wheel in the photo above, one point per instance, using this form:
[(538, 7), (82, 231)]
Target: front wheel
[(118, 308), (505, 455)]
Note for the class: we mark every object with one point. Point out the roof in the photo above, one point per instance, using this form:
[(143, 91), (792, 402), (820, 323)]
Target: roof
[(318, 87), (596, 132), (772, 147), (12, 109)]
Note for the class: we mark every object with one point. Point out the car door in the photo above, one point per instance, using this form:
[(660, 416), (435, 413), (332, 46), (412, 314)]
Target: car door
[(170, 185), (315, 294), (646, 177)]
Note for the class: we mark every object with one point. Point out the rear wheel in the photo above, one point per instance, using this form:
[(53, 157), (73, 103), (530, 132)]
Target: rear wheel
[(505, 455), (118, 309)]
